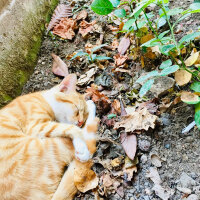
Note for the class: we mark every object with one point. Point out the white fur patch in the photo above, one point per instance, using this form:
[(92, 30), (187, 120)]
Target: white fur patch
[(92, 111), (81, 151)]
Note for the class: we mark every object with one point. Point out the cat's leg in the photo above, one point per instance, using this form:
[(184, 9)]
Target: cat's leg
[(66, 189)]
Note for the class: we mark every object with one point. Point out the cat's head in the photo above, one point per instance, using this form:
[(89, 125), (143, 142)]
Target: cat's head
[(68, 105)]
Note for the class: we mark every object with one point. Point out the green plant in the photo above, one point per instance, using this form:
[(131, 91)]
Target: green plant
[(92, 57), (166, 41)]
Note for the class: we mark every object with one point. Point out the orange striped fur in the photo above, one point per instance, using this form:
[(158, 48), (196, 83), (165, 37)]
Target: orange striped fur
[(35, 147)]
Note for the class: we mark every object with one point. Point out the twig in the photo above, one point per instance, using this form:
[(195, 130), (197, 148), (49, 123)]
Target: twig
[(189, 127)]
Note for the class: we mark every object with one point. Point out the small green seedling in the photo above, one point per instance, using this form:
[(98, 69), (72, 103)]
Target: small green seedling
[(92, 57)]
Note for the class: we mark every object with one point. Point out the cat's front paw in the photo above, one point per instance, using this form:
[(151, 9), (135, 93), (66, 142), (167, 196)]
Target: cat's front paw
[(81, 151)]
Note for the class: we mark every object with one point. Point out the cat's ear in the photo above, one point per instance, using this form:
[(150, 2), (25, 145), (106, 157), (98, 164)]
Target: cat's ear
[(68, 84)]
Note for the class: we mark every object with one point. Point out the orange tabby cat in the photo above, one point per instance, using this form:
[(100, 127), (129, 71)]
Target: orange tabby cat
[(39, 136)]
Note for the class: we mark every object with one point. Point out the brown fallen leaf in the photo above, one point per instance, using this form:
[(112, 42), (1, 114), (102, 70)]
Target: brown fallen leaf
[(130, 171), (115, 44), (86, 27), (120, 59), (146, 38), (102, 101), (192, 59), (189, 97), (129, 144), (120, 191), (116, 106), (59, 67), (65, 29), (107, 181), (150, 105), (161, 192), (117, 162), (84, 178), (87, 78), (124, 45), (82, 15), (182, 77), (156, 161), (153, 175), (137, 120), (61, 11)]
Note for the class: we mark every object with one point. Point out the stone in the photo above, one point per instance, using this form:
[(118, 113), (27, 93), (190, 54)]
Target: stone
[(193, 197), (144, 145), (161, 85), (143, 159), (22, 24), (184, 190), (186, 181), (104, 80)]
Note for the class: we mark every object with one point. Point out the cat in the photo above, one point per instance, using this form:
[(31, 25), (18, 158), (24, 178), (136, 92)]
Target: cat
[(40, 134)]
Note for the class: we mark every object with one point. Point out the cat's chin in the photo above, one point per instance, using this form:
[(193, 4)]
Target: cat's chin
[(81, 151)]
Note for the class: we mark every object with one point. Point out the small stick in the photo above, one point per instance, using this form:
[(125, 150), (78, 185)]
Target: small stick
[(189, 127)]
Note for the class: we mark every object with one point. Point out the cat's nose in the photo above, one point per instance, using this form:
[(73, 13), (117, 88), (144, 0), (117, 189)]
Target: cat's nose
[(80, 123)]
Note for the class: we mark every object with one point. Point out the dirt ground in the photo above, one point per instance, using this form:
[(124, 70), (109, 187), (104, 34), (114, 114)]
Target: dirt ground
[(180, 153)]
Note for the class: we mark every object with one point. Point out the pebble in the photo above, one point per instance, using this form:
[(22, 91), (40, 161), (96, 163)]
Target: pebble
[(184, 190), (189, 139), (144, 145), (193, 197), (186, 181), (143, 159), (167, 146)]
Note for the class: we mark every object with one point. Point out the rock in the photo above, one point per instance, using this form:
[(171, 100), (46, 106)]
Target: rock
[(186, 181), (144, 145), (143, 159), (161, 85), (184, 190), (193, 197), (165, 119), (104, 80), (21, 27)]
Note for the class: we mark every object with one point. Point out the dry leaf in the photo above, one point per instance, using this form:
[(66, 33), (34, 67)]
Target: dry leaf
[(120, 59), (154, 176), (159, 191), (84, 178), (124, 45), (59, 67), (115, 44), (156, 50), (65, 29), (60, 12), (82, 15), (189, 97), (86, 27), (130, 172), (137, 120), (116, 106), (87, 77), (156, 161), (192, 59), (182, 77), (120, 191), (146, 38), (129, 143), (107, 181), (117, 162)]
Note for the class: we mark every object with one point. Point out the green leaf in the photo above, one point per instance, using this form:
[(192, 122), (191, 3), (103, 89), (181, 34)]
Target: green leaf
[(102, 7), (166, 1), (195, 86), (197, 115), (150, 74), (169, 70), (120, 13), (110, 116), (166, 48), (195, 6), (98, 47), (128, 24), (146, 87), (150, 43), (92, 58), (80, 53), (103, 58), (115, 3), (189, 37), (163, 34), (166, 64), (161, 22), (174, 11)]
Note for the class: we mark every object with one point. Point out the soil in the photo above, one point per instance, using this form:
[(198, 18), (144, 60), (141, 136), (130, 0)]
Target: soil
[(179, 152)]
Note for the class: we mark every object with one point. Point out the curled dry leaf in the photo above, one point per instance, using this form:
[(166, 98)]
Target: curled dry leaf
[(116, 106), (60, 12), (129, 172), (156, 161), (82, 15), (59, 67), (107, 181), (137, 120), (192, 59), (86, 27), (84, 178), (120, 59), (153, 175), (87, 77), (129, 144), (189, 97), (182, 77), (65, 29), (115, 44), (124, 45)]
